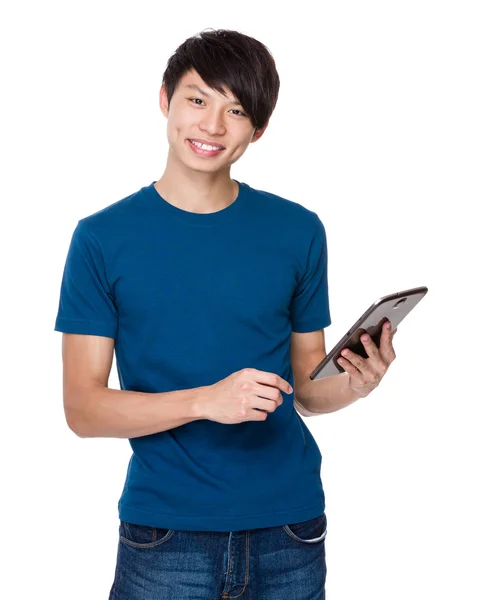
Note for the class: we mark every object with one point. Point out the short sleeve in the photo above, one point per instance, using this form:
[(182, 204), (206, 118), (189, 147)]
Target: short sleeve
[(86, 304), (309, 307)]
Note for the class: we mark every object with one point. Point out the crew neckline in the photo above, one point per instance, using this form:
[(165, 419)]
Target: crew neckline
[(201, 218)]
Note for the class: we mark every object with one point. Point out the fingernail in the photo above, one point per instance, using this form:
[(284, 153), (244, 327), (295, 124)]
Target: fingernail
[(291, 389)]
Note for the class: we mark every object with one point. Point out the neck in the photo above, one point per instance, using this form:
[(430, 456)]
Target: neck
[(196, 191)]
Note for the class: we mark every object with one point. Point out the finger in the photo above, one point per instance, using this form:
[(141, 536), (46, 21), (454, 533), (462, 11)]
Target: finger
[(387, 349), (268, 378), (367, 368), (354, 358), (377, 357), (386, 335), (370, 347), (388, 328), (266, 391), (351, 369)]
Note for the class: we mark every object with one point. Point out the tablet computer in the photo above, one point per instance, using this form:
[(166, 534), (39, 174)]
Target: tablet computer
[(388, 308)]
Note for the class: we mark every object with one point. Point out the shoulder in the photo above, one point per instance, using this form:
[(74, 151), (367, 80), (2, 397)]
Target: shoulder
[(113, 217), (288, 210)]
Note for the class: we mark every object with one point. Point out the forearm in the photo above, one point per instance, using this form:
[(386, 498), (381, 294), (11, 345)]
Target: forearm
[(114, 413), (325, 395)]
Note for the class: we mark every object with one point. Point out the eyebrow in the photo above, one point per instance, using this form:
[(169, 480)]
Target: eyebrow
[(203, 93)]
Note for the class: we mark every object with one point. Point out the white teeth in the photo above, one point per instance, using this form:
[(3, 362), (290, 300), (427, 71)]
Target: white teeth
[(205, 146)]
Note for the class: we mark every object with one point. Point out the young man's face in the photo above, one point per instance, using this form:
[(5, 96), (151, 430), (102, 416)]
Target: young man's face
[(209, 118)]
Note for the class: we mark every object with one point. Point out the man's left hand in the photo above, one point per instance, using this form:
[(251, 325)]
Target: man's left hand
[(365, 374)]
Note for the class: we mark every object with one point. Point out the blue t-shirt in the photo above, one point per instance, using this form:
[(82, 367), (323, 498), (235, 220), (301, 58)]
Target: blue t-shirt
[(191, 298)]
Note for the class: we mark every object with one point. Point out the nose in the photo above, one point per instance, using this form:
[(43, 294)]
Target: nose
[(213, 123)]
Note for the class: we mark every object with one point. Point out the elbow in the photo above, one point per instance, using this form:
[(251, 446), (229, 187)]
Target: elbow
[(75, 418), (301, 409), (75, 427)]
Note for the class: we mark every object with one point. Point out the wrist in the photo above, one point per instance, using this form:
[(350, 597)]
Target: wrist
[(355, 393), (199, 402)]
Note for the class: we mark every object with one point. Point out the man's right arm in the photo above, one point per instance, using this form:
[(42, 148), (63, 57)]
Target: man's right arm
[(94, 410)]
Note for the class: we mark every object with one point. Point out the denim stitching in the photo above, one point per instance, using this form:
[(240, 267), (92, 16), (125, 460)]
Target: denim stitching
[(149, 544), (311, 541), (224, 594)]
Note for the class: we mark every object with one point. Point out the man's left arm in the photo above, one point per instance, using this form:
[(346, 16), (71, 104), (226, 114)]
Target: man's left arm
[(361, 376)]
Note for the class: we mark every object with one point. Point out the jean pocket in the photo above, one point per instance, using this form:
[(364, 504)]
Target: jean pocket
[(143, 536), (312, 531)]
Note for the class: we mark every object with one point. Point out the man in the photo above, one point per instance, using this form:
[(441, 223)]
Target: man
[(214, 297)]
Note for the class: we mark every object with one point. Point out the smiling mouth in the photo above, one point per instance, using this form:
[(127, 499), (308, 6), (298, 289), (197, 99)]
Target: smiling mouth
[(205, 152), (206, 147)]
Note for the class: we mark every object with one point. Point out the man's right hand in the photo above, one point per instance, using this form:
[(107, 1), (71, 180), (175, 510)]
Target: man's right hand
[(236, 398)]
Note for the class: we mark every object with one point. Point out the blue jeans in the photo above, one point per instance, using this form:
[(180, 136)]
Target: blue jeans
[(274, 563)]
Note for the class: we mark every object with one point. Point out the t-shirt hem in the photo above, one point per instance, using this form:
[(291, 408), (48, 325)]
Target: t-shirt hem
[(306, 325), (85, 327), (210, 523)]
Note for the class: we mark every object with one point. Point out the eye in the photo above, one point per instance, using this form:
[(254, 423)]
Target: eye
[(240, 113)]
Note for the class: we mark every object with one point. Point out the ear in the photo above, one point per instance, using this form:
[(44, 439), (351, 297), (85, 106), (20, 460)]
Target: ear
[(163, 101), (258, 133)]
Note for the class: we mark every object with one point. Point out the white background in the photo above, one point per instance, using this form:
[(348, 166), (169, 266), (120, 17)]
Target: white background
[(378, 129)]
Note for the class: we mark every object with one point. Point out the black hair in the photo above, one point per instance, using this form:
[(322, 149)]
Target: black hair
[(225, 58)]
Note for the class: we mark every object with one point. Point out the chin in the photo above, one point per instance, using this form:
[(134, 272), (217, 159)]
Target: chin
[(206, 166)]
